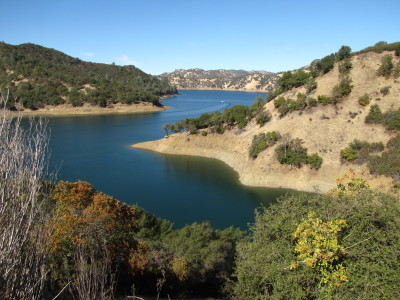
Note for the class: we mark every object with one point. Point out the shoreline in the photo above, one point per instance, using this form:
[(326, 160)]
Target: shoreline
[(91, 110), (228, 90), (255, 173)]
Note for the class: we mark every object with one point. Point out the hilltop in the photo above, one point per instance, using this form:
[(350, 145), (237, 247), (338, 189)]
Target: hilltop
[(325, 116), (38, 77), (199, 79)]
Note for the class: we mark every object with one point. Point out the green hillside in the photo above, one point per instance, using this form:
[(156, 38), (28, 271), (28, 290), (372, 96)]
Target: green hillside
[(37, 76)]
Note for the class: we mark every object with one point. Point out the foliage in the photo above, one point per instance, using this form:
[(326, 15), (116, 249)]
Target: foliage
[(359, 151), (364, 100), (389, 162), (374, 115), (381, 47), (345, 66), (343, 88), (262, 141), (325, 100), (37, 76), (371, 241), (311, 85), (386, 67), (263, 117), (291, 152), (390, 119), (325, 64), (315, 161), (343, 53), (290, 80), (318, 247), (86, 218)]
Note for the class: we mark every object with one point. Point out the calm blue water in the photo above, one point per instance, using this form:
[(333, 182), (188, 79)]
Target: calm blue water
[(182, 189)]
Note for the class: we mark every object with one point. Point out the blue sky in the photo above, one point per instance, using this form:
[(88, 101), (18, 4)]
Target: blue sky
[(160, 36)]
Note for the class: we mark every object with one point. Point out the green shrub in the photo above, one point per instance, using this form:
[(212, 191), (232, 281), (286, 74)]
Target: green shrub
[(311, 85), (359, 151), (315, 161), (204, 132), (388, 163), (348, 154), (325, 100), (292, 153), (345, 66), (391, 119), (386, 67), (364, 100), (343, 88), (262, 141), (375, 114)]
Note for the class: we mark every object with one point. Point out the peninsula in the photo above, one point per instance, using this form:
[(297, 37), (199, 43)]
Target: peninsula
[(349, 104)]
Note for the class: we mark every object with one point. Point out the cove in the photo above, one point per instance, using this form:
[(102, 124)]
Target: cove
[(182, 189)]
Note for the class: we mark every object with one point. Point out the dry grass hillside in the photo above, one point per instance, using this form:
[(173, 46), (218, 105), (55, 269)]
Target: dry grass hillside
[(325, 130)]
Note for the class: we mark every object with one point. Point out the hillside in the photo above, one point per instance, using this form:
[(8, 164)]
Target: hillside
[(37, 77), (326, 127), (220, 79)]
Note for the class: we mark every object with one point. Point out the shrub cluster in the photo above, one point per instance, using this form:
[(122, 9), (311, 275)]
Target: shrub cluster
[(390, 119), (292, 153), (285, 106), (238, 115), (262, 141), (359, 151), (389, 162)]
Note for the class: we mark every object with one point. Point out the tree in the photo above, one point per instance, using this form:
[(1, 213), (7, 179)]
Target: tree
[(344, 52), (23, 193), (386, 67), (167, 127)]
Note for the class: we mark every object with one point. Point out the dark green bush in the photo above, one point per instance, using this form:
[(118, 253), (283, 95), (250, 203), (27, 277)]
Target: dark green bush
[(325, 100), (262, 141), (375, 114), (343, 88), (386, 67)]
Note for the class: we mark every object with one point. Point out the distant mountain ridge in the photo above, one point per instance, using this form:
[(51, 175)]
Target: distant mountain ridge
[(220, 79)]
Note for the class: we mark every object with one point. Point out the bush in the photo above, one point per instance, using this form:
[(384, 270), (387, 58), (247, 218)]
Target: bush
[(204, 132), (263, 117), (343, 53), (325, 100), (364, 100), (345, 66), (375, 114), (315, 161), (348, 154), (343, 88), (372, 240), (386, 67), (388, 163), (311, 85), (359, 151), (262, 141)]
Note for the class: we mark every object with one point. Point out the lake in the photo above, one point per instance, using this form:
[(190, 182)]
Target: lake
[(182, 189)]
